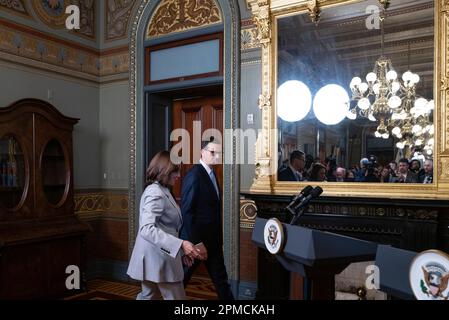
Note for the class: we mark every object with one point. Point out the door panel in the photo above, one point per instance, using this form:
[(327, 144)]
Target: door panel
[(208, 112)]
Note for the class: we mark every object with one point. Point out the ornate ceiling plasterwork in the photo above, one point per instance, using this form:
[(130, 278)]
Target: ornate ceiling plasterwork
[(52, 13), (17, 6), (181, 15), (118, 13)]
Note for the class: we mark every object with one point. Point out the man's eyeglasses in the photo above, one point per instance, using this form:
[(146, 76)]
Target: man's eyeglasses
[(213, 153)]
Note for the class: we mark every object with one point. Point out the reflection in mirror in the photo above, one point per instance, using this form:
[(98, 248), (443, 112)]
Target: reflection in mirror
[(54, 177), (355, 93), (12, 172)]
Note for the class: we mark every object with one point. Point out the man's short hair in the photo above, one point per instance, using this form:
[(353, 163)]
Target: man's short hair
[(297, 154), (404, 160), (205, 143)]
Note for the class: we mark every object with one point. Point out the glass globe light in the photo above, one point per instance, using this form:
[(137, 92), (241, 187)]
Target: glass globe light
[(371, 117), (400, 145), (371, 77), (396, 131), (395, 86), (394, 102), (355, 82), (377, 134), (385, 135), (415, 78), (430, 105), (331, 104), (431, 141), (399, 136), (294, 101), (432, 129), (363, 87), (351, 115), (376, 88), (391, 75), (417, 129), (429, 152), (407, 76), (420, 103), (363, 103), (418, 142)]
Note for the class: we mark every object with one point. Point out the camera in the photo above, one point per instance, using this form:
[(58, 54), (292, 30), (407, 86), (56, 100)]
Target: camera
[(371, 164)]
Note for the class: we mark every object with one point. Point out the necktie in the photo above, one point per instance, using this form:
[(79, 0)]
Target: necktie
[(214, 182)]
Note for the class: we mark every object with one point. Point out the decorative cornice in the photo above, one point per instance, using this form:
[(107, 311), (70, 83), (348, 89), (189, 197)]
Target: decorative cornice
[(180, 15)]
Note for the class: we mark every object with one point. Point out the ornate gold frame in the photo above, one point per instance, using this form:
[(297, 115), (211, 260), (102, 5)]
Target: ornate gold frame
[(265, 13)]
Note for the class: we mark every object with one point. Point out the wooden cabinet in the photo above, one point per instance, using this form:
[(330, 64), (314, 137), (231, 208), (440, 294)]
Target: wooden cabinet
[(40, 236)]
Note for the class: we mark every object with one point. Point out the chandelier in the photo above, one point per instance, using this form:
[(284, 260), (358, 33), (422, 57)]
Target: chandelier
[(394, 104)]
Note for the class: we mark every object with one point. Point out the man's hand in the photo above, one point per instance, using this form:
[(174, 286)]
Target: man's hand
[(190, 250), (187, 261)]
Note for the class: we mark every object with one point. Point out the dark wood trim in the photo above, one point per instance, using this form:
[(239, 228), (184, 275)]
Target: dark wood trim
[(179, 43)]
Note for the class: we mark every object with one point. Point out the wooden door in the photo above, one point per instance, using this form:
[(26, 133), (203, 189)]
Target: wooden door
[(208, 114)]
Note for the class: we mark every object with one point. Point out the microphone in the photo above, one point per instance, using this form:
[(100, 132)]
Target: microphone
[(300, 207), (299, 197)]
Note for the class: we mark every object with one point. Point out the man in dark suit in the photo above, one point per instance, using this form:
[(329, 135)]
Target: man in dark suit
[(404, 174), (201, 213), (295, 170)]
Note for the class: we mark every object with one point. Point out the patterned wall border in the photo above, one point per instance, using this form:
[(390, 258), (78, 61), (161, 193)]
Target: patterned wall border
[(96, 204), (33, 48), (36, 48)]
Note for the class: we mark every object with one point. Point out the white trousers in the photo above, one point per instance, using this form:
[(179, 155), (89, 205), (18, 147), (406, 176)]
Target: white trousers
[(166, 290)]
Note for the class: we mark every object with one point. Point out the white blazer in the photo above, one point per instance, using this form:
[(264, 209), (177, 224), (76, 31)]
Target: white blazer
[(157, 252)]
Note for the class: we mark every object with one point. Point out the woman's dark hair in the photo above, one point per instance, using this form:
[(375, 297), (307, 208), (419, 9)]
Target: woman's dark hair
[(160, 169), (315, 170)]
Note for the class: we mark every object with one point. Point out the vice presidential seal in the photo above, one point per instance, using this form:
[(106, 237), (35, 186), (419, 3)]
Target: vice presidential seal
[(429, 275), (274, 236)]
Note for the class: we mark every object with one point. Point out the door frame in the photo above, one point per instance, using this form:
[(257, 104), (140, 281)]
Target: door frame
[(231, 108)]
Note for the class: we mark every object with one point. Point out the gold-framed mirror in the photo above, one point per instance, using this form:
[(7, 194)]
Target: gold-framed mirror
[(382, 65)]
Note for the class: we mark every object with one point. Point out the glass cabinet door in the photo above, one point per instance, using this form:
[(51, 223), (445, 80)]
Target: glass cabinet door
[(12, 172), (54, 172)]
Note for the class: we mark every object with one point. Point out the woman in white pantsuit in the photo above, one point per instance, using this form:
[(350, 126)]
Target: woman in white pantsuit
[(158, 253)]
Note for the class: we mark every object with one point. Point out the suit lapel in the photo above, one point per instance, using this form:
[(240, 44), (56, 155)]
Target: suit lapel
[(172, 201), (206, 177)]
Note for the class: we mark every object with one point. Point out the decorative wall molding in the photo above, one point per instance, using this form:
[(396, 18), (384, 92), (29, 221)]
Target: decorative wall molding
[(248, 213), (101, 204), (117, 18), (249, 36), (15, 6), (180, 15), (37, 49)]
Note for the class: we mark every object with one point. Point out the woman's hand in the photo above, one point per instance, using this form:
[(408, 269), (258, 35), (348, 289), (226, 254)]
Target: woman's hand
[(187, 261), (190, 250)]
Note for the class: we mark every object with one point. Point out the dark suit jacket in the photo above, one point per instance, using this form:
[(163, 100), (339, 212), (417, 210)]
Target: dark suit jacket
[(201, 210), (286, 174)]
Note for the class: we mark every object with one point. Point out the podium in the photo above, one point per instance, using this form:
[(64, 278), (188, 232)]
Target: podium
[(317, 256), (394, 265)]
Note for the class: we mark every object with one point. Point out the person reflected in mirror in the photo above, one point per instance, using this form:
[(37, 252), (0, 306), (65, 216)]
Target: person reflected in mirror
[(340, 174), (158, 254), (404, 175), (201, 203), (385, 175), (318, 172), (350, 176), (393, 169), (360, 172), (415, 167), (295, 170), (331, 167), (427, 177)]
